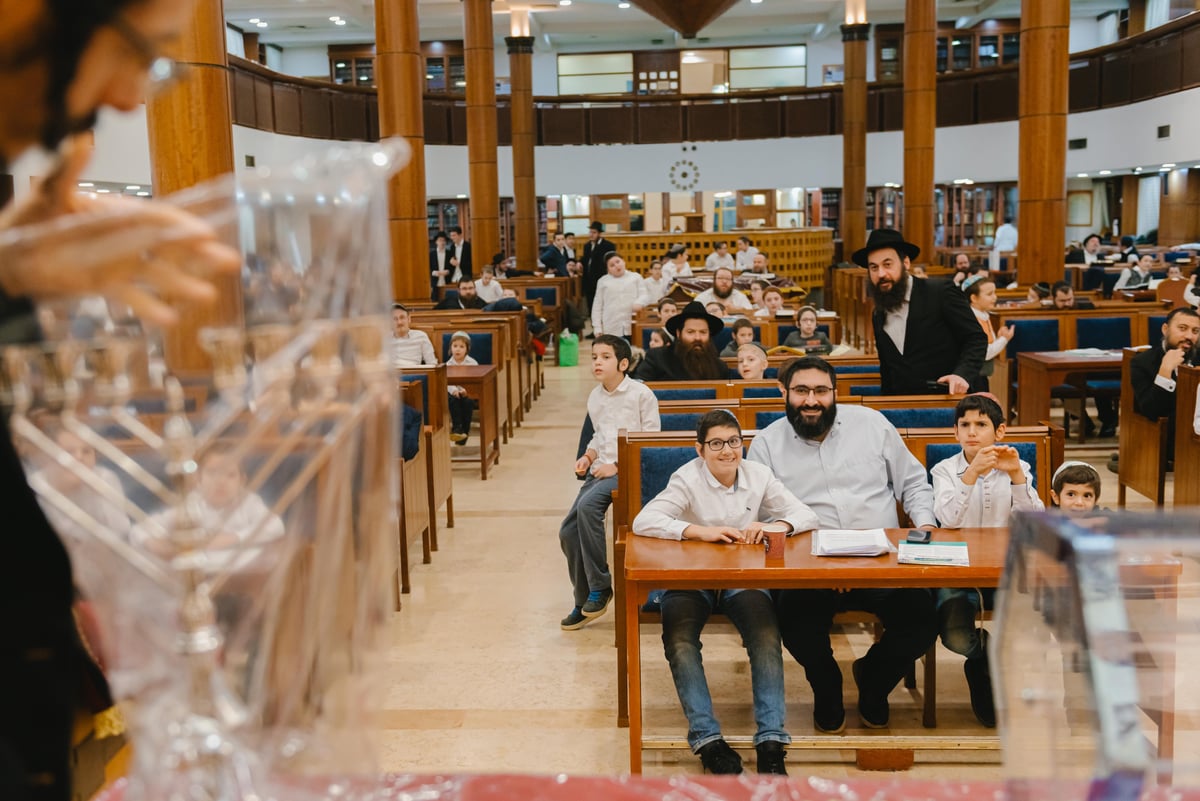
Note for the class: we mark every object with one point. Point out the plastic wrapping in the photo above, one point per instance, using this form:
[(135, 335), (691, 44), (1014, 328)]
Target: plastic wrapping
[(231, 519), (1095, 637)]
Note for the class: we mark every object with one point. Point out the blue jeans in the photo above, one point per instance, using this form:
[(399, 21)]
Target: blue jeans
[(957, 610), (583, 540), (684, 613)]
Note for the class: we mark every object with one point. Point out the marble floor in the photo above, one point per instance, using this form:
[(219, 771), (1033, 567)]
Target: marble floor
[(481, 679)]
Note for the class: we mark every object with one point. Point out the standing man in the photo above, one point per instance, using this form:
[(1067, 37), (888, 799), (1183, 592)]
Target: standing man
[(569, 240), (595, 261), (1006, 236), (744, 258), (439, 266), (692, 356), (850, 466), (924, 330), (75, 58), (460, 258), (554, 257)]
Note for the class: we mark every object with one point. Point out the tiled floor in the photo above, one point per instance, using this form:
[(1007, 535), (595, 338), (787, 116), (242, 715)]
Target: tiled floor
[(481, 678)]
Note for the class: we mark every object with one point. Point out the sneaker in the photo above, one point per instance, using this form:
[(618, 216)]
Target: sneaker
[(597, 602), (1108, 432), (873, 711), (829, 715), (717, 757), (575, 620), (770, 757), (979, 682), (457, 438)]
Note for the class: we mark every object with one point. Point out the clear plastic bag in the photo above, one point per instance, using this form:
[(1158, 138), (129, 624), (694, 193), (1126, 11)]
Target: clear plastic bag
[(229, 500)]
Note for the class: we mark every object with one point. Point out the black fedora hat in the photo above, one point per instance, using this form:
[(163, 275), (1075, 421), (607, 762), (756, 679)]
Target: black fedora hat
[(882, 238), (694, 311), (597, 226)]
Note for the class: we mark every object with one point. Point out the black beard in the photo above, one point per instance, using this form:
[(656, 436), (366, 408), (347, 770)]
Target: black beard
[(722, 295), (701, 361), (893, 298), (812, 430)]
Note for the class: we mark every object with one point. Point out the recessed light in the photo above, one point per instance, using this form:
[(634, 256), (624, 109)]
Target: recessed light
[(85, 184), (133, 188), (1168, 166), (460, 83), (103, 191), (1106, 172), (262, 24), (1137, 169), (564, 2), (622, 5), (756, 2), (461, 196), (143, 194), (340, 22), (255, 21), (1082, 175), (334, 18), (341, 65)]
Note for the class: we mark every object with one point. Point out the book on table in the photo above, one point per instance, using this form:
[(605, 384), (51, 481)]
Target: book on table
[(851, 542), (953, 554)]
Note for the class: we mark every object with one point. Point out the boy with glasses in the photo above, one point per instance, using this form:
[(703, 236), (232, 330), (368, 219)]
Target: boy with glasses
[(718, 498)]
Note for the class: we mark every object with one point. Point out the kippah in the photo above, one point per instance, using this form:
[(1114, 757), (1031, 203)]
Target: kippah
[(974, 279), (1065, 465)]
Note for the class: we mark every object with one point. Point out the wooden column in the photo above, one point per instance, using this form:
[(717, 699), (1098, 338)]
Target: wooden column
[(191, 140), (524, 138), (920, 122), (1137, 17), (1041, 187), (481, 132), (854, 138), (1130, 187), (400, 81)]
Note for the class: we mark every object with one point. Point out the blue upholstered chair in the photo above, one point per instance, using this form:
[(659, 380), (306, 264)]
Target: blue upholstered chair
[(1109, 282), (1031, 336), (865, 389), (685, 393), (940, 451), (680, 421), (657, 466), (1106, 333), (422, 379), (1154, 325), (920, 417), (548, 295), (764, 419), (481, 346), (851, 369), (771, 372), (760, 392), (724, 337)]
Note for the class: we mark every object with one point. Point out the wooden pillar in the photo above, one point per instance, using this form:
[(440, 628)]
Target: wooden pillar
[(191, 140), (250, 45), (524, 138), (920, 122), (1137, 17), (481, 131), (854, 137), (1041, 187), (400, 81), (1128, 213)]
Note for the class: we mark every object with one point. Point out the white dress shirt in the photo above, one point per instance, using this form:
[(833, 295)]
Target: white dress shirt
[(895, 322), (853, 478), (1006, 238), (412, 350), (467, 361), (457, 274), (744, 259), (490, 292), (631, 406), (716, 261), (997, 345), (653, 290), (243, 521), (441, 265), (1139, 278), (736, 299), (988, 502), (1190, 296), (612, 308), (671, 272), (694, 496)]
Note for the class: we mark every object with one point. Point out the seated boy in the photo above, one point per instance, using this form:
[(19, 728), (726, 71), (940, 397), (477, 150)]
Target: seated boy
[(752, 361), (981, 486), (461, 406), (619, 402), (743, 332), (718, 497), (806, 337), (772, 303), (1075, 488)]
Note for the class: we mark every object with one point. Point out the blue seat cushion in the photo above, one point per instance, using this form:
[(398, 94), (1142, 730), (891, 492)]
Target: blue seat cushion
[(921, 417), (548, 295), (849, 369), (865, 389), (940, 451), (1108, 333), (764, 419), (657, 466), (1103, 385), (685, 393), (481, 346), (680, 421), (760, 392), (1032, 336)]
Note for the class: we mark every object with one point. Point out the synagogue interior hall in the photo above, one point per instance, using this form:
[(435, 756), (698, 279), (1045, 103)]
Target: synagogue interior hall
[(1038, 164)]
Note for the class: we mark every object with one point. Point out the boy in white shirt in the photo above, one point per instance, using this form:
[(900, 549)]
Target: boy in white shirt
[(488, 286), (720, 257), (619, 402), (461, 405), (654, 286), (717, 497), (616, 295), (980, 290), (979, 487), (410, 347)]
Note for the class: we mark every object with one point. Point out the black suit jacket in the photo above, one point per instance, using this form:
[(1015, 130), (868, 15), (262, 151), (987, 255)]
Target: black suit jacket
[(433, 265), (464, 262), (1149, 399), (454, 301), (1075, 257), (942, 337), (555, 260), (661, 364), (595, 254)]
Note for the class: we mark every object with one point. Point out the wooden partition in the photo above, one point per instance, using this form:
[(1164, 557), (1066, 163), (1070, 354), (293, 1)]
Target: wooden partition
[(1187, 442), (436, 445), (1144, 447)]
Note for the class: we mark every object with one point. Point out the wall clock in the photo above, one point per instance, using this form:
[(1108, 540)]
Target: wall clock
[(684, 175)]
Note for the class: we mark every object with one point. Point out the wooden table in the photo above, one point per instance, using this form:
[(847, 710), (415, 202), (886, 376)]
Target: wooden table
[(1038, 373), (669, 564), (480, 383)]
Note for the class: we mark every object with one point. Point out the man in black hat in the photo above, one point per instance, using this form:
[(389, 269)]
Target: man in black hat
[(692, 356), (595, 261), (928, 339)]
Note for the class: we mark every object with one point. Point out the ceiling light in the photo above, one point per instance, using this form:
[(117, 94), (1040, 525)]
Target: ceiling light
[(133, 188), (340, 22), (1168, 166), (1137, 169), (564, 2), (626, 5), (262, 24), (143, 194), (85, 184), (460, 196), (756, 1), (103, 191), (1082, 175), (460, 83), (1106, 172), (255, 21), (334, 18), (341, 65)]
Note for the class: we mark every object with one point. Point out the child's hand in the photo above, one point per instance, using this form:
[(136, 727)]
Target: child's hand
[(601, 470), (753, 533), (1006, 332), (582, 465), (713, 533), (983, 463), (1008, 460)]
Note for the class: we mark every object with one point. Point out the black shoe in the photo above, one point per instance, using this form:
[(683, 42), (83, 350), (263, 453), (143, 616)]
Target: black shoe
[(1114, 463), (872, 707), (829, 716), (979, 681), (1088, 426), (717, 757), (597, 602), (770, 757), (1108, 432), (575, 620)]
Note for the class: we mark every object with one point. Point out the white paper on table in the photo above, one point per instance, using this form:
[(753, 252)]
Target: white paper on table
[(851, 542), (1089, 352), (934, 553)]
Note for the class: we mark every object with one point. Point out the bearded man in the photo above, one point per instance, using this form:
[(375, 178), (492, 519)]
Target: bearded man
[(693, 355), (850, 466), (722, 290), (928, 339)]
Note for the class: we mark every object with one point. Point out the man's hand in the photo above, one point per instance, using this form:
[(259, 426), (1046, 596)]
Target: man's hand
[(604, 470), (713, 533), (984, 462), (131, 251), (1171, 361), (958, 385)]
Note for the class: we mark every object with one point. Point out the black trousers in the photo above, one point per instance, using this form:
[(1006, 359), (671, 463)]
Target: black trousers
[(461, 410), (910, 626)]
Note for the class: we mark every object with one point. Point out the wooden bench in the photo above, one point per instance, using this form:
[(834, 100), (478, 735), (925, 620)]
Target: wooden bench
[(1187, 442), (1144, 445), (489, 345), (414, 495), (436, 414), (770, 332)]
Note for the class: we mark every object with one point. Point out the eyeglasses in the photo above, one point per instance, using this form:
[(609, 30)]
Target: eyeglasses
[(718, 445), (161, 71), (817, 392)]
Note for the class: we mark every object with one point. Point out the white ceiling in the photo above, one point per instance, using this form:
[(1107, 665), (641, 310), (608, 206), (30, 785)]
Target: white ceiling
[(587, 23)]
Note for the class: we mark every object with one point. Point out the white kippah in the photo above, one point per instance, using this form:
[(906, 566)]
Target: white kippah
[(1065, 465)]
